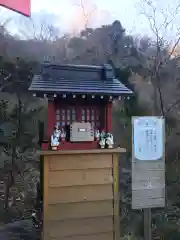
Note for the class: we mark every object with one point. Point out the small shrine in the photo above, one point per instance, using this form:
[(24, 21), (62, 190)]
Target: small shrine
[(79, 164), (80, 101)]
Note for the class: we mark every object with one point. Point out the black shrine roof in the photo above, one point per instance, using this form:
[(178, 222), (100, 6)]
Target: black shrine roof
[(78, 79)]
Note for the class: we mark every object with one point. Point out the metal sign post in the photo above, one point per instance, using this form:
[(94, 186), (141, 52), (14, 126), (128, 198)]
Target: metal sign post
[(148, 167)]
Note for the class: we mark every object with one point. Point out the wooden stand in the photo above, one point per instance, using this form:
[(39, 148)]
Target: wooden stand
[(81, 194), (147, 224)]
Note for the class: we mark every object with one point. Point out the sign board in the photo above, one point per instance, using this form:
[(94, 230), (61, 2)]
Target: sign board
[(21, 6), (148, 165), (81, 132)]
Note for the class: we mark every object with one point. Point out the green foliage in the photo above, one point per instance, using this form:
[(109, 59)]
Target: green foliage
[(18, 124), (16, 74), (131, 221), (3, 110), (165, 220), (20, 132)]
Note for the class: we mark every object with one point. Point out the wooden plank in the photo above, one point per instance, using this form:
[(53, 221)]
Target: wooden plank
[(80, 210), (80, 177), (138, 165), (148, 184), (59, 229), (73, 152), (148, 198), (45, 197), (116, 197), (80, 194), (155, 184), (80, 162), (145, 175), (100, 236), (157, 203), (149, 193)]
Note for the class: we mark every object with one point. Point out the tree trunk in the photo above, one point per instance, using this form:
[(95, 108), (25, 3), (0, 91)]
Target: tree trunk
[(10, 174), (9, 181), (155, 101), (8, 184)]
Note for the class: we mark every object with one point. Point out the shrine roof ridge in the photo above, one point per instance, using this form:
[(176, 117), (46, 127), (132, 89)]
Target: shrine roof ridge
[(73, 66), (80, 79)]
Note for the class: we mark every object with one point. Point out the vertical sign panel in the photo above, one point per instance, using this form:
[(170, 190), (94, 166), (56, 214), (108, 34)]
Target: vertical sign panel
[(20, 6), (148, 165)]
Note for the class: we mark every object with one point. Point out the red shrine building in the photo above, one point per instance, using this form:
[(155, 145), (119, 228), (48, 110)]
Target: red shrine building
[(80, 101)]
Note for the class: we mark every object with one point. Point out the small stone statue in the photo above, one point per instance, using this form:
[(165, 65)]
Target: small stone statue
[(109, 140), (55, 138), (97, 135), (103, 134), (63, 135), (102, 142)]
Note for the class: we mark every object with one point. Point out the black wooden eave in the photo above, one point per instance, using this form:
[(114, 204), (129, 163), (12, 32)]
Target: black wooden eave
[(78, 79)]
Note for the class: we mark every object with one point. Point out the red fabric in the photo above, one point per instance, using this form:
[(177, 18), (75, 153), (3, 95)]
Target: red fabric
[(20, 6)]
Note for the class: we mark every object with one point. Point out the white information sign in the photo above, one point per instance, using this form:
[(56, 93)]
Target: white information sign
[(148, 137)]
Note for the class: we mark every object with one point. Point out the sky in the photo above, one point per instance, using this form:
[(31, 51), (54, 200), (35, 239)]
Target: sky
[(126, 11), (65, 8), (65, 14)]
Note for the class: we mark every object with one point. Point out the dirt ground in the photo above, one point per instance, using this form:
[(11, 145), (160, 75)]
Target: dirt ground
[(18, 230), (13, 226)]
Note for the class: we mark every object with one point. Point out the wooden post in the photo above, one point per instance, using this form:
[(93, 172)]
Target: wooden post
[(116, 197), (147, 211), (147, 224), (45, 196)]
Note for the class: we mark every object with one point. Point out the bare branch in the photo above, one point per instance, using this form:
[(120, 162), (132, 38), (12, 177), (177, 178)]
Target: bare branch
[(160, 17), (173, 48), (41, 30), (160, 22), (172, 106), (87, 10)]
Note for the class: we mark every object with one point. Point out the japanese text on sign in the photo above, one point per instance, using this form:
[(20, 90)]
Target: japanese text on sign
[(148, 138)]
